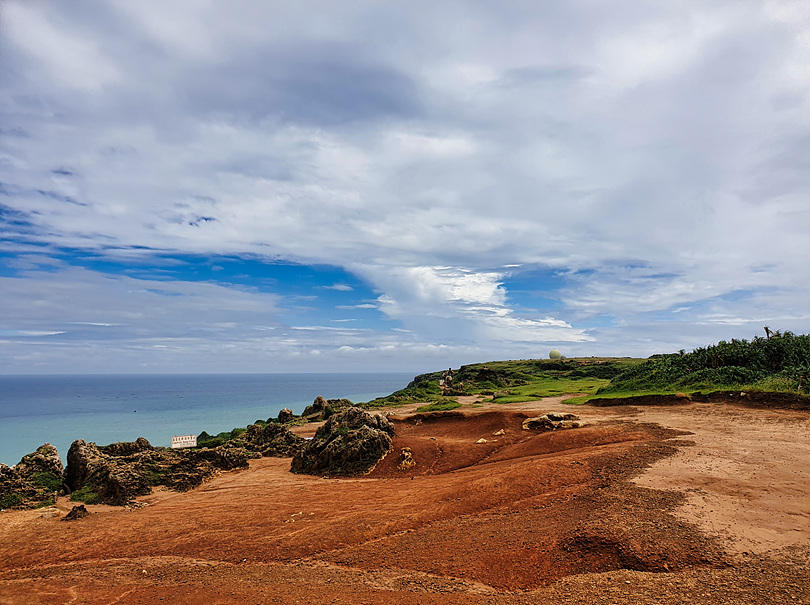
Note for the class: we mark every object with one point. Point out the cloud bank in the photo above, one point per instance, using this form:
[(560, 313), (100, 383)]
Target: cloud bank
[(487, 181)]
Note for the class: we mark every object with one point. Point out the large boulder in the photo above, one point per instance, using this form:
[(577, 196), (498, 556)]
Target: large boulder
[(316, 411), (349, 443), (285, 416), (116, 481), (44, 460), (34, 481), (272, 440)]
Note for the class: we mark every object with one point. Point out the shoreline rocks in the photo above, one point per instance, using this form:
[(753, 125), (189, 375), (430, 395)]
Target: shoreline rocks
[(116, 474)]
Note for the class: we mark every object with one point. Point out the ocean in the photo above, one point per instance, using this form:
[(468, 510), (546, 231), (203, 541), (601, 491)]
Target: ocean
[(105, 408)]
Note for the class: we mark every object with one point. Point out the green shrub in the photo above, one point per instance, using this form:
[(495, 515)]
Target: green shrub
[(46, 480), (212, 442), (10, 500), (734, 364), (86, 495)]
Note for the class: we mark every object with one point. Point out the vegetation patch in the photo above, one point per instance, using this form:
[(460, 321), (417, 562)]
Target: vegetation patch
[(439, 406), (778, 363), (47, 481), (86, 495), (10, 500)]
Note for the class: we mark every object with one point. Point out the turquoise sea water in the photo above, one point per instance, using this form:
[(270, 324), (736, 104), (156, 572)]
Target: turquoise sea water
[(105, 409)]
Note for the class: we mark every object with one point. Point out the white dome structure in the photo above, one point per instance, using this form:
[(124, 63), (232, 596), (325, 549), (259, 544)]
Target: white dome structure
[(555, 354)]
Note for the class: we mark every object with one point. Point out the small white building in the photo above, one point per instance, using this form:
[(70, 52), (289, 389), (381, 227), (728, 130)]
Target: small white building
[(179, 441)]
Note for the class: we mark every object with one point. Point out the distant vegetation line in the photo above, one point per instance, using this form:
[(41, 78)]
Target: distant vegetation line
[(778, 363)]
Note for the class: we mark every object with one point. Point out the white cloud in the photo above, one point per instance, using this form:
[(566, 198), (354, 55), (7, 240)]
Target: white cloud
[(461, 305), (653, 152), (340, 287), (66, 56)]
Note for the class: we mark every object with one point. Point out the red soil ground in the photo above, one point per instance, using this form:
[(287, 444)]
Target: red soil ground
[(697, 503)]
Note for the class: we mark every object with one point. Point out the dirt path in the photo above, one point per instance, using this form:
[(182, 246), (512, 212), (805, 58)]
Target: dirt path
[(695, 503)]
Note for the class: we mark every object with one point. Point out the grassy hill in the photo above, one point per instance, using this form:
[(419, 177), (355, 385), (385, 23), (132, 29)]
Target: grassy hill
[(778, 363), (511, 381)]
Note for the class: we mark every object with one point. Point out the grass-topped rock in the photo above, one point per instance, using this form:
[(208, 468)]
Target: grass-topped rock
[(349, 443)]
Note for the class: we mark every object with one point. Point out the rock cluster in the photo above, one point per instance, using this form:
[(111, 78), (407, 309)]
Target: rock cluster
[(272, 440), (34, 481), (553, 421), (321, 408), (349, 443), (117, 473)]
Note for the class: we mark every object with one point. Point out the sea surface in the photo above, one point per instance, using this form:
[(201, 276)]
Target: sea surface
[(105, 409)]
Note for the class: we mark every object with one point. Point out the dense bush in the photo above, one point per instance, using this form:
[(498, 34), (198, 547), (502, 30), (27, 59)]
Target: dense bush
[(783, 359)]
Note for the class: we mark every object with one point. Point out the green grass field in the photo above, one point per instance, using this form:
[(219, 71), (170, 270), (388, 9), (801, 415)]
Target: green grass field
[(778, 363)]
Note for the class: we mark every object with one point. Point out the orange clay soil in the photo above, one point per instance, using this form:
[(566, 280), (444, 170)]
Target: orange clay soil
[(694, 503)]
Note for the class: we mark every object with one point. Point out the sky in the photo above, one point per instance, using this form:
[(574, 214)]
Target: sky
[(259, 186)]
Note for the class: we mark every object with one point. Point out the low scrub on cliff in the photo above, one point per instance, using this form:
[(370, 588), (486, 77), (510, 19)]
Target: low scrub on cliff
[(778, 363)]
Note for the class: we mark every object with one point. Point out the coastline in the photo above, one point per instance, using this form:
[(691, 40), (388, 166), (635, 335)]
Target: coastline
[(102, 408)]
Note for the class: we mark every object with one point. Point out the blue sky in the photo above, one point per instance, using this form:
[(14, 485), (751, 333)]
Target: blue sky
[(319, 186)]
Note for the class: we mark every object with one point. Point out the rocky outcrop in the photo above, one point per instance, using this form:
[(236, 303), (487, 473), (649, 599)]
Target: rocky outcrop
[(553, 421), (316, 411), (321, 408), (119, 472), (77, 512), (349, 443), (182, 470), (272, 440), (285, 416), (127, 448), (34, 481), (116, 481), (406, 460)]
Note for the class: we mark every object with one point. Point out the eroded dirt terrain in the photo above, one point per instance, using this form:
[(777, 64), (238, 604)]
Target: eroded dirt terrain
[(694, 503)]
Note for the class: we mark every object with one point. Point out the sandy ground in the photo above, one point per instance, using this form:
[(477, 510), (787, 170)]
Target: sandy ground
[(694, 503)]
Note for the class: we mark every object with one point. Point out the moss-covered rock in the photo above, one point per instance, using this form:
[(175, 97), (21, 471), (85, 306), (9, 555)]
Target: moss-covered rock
[(349, 443)]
